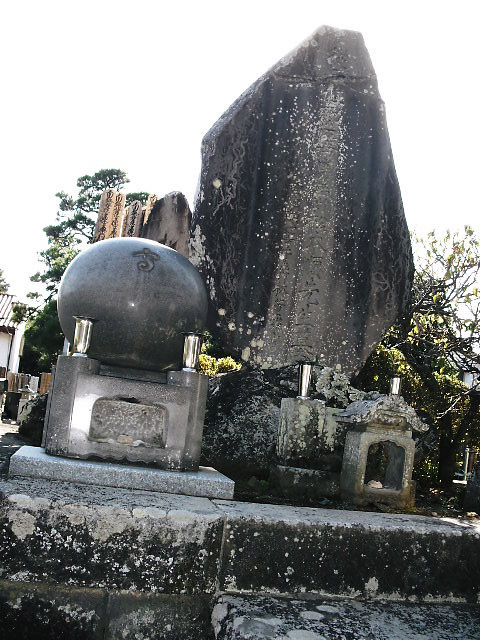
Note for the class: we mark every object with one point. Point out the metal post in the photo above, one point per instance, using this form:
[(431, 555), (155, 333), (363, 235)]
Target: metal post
[(82, 337), (304, 377), (191, 351), (395, 386), (465, 464)]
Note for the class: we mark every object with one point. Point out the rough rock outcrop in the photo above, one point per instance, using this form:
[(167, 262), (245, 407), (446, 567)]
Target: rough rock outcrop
[(243, 414), (169, 222), (298, 229), (31, 419)]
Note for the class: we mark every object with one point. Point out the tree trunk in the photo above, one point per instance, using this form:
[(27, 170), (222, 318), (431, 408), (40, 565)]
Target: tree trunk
[(446, 454)]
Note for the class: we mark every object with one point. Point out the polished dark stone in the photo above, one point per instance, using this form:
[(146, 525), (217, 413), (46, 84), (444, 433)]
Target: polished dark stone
[(142, 295), (298, 230)]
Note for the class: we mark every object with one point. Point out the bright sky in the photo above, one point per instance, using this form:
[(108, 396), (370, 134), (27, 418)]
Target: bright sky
[(135, 84)]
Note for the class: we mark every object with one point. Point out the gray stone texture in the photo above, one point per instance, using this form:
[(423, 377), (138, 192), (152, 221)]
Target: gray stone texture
[(134, 616), (81, 536), (33, 462), (307, 431), (142, 296), (285, 550), (100, 537), (169, 223), (256, 618), (242, 421), (112, 415), (33, 611), (31, 419), (298, 229), (50, 612)]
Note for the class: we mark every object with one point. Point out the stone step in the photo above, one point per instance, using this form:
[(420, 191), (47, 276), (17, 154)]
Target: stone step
[(258, 617), (107, 538)]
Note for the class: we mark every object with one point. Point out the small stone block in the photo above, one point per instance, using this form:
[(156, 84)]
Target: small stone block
[(33, 462)]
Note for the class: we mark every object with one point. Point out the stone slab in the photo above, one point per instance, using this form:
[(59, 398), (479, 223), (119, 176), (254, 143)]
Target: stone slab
[(239, 618), (104, 538), (33, 462), (277, 549)]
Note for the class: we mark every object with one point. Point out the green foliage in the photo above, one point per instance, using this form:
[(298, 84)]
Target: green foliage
[(43, 341), (3, 283), (209, 364), (435, 342)]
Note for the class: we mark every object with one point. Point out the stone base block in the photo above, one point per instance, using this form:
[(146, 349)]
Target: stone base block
[(33, 462), (308, 483)]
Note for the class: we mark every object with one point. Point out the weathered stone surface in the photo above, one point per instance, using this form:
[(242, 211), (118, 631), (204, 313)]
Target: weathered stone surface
[(31, 418), (255, 618), (274, 549), (50, 612), (135, 616), (33, 462), (32, 611), (242, 420), (298, 228), (307, 431), (169, 222), (300, 484), (385, 412), (385, 423), (107, 538)]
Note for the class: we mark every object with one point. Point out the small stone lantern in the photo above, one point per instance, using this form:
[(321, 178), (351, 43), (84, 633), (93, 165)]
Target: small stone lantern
[(388, 421)]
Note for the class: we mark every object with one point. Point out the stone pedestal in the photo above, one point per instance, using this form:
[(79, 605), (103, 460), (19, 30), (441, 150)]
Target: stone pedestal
[(33, 462), (114, 413), (301, 432), (307, 438)]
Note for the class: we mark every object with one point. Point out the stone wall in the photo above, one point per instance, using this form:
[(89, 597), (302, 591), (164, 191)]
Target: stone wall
[(134, 564)]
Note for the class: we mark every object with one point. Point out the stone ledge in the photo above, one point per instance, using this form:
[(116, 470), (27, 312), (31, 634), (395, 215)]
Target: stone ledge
[(108, 538), (105, 538), (276, 549), (239, 618), (33, 462)]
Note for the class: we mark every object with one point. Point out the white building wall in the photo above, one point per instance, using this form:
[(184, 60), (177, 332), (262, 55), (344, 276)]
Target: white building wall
[(5, 340), (17, 344)]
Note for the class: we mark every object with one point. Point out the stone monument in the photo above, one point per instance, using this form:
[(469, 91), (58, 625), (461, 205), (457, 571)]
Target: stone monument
[(129, 307), (298, 229)]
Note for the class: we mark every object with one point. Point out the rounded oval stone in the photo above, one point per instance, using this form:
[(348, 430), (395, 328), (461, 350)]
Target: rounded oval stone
[(142, 296)]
